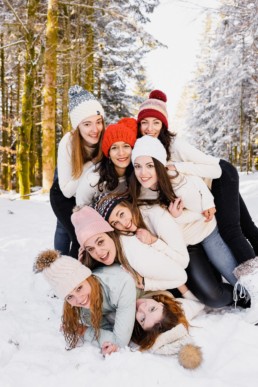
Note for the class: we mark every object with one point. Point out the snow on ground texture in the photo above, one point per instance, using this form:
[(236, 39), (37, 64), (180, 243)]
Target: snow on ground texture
[(32, 350)]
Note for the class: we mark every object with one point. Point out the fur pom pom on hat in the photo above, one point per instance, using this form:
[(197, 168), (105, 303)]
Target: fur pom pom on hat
[(82, 104), (63, 273), (87, 223), (177, 341), (155, 106), (149, 146), (125, 130)]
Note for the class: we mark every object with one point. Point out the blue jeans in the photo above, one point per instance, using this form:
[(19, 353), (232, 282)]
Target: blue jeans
[(220, 255), (62, 240)]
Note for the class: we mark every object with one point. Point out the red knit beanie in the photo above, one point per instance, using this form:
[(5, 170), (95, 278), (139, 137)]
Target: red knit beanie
[(155, 106), (125, 130)]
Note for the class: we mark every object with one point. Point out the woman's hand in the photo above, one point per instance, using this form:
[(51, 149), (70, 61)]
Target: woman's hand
[(108, 348), (145, 236), (176, 208), (209, 214)]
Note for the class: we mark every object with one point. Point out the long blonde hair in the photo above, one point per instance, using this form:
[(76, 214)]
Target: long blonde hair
[(80, 154), (72, 320)]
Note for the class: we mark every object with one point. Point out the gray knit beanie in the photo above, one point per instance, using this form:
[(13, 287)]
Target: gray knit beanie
[(82, 104)]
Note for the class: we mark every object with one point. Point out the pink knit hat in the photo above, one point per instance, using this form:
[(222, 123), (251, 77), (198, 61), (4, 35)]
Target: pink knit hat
[(155, 106), (87, 223)]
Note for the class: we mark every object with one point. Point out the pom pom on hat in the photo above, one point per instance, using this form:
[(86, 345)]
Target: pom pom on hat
[(87, 223), (190, 356), (155, 107), (149, 146), (158, 94), (125, 130), (63, 273), (82, 104)]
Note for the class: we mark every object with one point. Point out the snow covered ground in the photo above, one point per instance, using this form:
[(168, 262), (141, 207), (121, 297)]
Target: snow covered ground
[(32, 350)]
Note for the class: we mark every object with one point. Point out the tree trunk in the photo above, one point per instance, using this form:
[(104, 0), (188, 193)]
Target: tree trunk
[(49, 95)]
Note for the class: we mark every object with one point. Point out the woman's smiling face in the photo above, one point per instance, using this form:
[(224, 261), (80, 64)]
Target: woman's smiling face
[(101, 248), (145, 172), (80, 295), (148, 312), (121, 219)]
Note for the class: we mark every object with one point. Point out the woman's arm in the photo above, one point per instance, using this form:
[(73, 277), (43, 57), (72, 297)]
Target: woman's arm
[(189, 160), (87, 187), (159, 271)]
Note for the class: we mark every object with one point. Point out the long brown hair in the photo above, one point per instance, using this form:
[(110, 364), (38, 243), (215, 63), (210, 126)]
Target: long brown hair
[(165, 192), (72, 320), (165, 136), (172, 315), (81, 154), (90, 262)]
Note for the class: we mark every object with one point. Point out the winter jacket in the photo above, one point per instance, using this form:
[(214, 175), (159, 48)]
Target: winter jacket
[(119, 296)]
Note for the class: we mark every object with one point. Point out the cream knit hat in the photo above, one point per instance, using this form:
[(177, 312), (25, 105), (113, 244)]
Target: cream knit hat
[(149, 146), (88, 222), (63, 273), (82, 104)]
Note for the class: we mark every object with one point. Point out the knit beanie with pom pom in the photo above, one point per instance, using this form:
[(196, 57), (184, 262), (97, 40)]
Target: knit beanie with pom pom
[(124, 130), (82, 104), (155, 106), (63, 273)]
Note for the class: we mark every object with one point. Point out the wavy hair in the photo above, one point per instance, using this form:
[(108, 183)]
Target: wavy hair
[(72, 321), (172, 315)]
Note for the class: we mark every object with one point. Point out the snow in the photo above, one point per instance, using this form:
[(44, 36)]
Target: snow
[(32, 350)]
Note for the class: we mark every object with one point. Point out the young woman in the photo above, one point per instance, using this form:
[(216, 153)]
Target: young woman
[(150, 181), (112, 173), (152, 266), (89, 300), (234, 221), (158, 312), (77, 151)]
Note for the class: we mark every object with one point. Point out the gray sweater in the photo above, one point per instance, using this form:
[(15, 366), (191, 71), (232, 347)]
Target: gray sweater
[(119, 296)]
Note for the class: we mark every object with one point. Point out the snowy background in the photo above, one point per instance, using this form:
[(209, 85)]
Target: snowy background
[(32, 350)]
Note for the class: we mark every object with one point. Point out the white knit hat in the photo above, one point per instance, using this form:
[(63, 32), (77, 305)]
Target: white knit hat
[(63, 273), (88, 222), (82, 104), (149, 146)]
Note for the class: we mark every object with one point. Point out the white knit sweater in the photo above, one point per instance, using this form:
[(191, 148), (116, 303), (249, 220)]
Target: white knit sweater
[(67, 183), (191, 161)]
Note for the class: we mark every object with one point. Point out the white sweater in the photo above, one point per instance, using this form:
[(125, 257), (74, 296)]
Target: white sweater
[(154, 262), (88, 186), (191, 161), (67, 183), (192, 190), (193, 227)]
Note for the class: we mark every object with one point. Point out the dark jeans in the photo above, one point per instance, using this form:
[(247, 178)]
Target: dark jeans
[(205, 281), (62, 240), (63, 208), (234, 221)]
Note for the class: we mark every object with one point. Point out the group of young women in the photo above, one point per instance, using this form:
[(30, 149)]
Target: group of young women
[(160, 230)]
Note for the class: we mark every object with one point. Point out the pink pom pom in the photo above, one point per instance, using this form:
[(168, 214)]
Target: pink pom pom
[(158, 94)]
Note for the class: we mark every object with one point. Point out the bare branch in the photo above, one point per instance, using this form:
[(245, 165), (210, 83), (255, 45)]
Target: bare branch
[(12, 44), (16, 15)]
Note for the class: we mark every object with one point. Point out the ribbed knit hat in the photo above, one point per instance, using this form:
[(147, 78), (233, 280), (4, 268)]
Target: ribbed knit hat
[(149, 146), (155, 106), (82, 104), (63, 273), (105, 203), (87, 223), (125, 130)]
